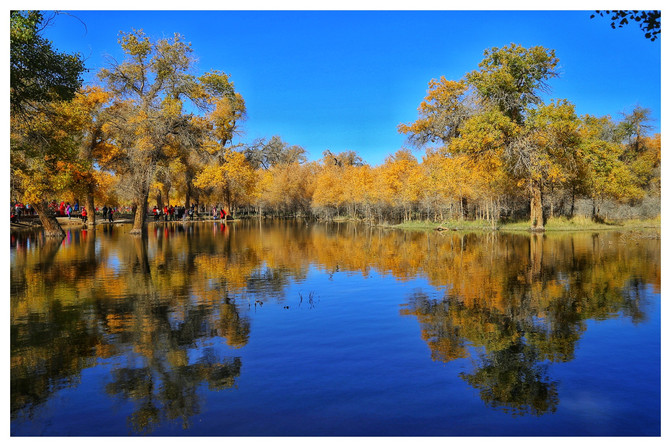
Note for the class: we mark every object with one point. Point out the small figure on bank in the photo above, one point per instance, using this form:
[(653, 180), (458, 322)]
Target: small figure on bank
[(165, 213), (84, 214), (104, 212), (68, 211), (156, 214), (110, 214)]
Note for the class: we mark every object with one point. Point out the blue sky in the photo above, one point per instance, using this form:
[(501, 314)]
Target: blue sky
[(344, 80)]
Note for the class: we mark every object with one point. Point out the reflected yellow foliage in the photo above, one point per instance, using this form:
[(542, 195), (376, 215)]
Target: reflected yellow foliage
[(512, 301)]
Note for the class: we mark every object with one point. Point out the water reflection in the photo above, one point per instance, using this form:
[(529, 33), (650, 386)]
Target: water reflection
[(516, 303), (169, 313)]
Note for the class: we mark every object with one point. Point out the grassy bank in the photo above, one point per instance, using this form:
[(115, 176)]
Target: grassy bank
[(553, 224)]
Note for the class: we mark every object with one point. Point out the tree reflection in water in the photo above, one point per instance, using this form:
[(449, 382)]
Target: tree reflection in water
[(72, 314), (517, 315), (160, 310)]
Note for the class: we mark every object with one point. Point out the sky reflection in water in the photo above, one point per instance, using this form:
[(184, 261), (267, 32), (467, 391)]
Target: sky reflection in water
[(294, 328)]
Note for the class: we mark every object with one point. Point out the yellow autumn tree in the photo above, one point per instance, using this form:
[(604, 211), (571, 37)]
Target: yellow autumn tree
[(234, 181), (402, 181)]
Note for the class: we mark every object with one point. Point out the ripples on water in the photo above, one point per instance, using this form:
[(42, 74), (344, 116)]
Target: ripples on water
[(288, 328)]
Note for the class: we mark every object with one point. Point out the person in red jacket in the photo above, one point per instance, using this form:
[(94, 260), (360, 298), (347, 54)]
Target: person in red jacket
[(84, 215)]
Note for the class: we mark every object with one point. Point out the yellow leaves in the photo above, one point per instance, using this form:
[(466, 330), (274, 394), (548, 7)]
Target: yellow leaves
[(89, 100), (135, 43), (328, 188), (139, 117), (105, 153), (440, 113), (145, 143), (442, 94), (287, 186), (401, 177), (209, 176), (235, 177), (172, 107)]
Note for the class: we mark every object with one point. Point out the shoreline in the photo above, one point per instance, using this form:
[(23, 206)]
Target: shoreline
[(552, 226), (33, 223)]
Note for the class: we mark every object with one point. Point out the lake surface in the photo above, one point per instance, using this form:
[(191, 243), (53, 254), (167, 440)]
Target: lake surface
[(290, 328)]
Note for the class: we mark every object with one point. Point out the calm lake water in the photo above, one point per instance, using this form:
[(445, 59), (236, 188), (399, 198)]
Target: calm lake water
[(288, 328)]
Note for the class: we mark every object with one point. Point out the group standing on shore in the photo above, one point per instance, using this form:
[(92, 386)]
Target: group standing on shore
[(166, 213)]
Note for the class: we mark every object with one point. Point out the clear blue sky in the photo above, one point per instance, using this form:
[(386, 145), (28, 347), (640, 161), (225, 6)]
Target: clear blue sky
[(343, 80)]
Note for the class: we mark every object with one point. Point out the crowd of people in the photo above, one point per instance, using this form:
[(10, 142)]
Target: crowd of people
[(66, 209), (172, 213)]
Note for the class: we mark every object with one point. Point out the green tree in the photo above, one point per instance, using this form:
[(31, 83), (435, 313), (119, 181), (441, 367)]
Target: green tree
[(38, 73), (42, 146), (606, 176), (513, 78), (508, 120), (633, 128)]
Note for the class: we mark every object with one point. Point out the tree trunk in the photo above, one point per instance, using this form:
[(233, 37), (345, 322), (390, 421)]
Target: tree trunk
[(51, 226), (159, 199), (90, 207), (140, 215), (537, 223), (189, 174), (464, 208), (166, 193)]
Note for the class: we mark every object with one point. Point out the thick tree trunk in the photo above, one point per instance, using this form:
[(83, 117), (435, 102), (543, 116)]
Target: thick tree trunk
[(594, 213), (159, 199), (140, 215), (166, 193), (537, 223), (51, 226), (90, 207)]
